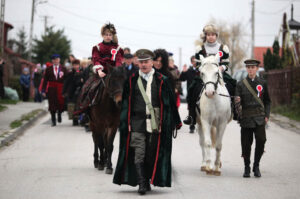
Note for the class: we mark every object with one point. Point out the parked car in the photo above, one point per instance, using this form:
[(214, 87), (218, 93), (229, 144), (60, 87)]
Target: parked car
[(242, 74)]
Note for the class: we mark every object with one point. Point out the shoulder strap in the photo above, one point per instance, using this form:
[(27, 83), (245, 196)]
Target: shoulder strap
[(149, 105), (253, 92)]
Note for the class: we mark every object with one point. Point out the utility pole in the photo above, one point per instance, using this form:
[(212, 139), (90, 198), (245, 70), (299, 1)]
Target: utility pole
[(31, 30), (45, 18), (253, 28), (180, 57), (2, 27), (34, 3)]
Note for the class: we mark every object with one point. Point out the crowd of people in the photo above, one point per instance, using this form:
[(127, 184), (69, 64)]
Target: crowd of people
[(152, 91)]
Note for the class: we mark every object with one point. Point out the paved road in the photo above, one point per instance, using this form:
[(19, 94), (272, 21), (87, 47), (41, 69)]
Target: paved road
[(57, 162)]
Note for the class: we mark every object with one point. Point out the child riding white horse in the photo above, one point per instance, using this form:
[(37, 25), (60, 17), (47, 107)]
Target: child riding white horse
[(215, 113)]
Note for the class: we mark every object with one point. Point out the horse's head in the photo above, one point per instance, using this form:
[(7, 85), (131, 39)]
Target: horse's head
[(115, 82), (210, 74)]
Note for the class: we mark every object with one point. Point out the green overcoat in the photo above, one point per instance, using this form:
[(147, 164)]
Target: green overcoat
[(169, 120)]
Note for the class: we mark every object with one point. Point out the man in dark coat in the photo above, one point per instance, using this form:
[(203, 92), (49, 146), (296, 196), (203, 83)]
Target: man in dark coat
[(72, 88), (146, 133), (189, 75), (128, 65), (54, 76), (254, 101)]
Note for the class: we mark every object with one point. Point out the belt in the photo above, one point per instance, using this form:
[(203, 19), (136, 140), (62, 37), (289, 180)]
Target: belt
[(141, 115), (54, 84)]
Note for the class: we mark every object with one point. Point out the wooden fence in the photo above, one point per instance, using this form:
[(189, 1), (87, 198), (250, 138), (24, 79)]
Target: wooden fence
[(282, 84)]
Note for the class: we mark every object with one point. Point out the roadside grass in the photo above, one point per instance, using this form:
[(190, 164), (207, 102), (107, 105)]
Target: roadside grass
[(288, 111), (25, 117), (8, 101), (2, 108)]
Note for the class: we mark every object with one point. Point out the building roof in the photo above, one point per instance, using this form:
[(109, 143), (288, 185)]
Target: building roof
[(294, 25), (260, 51)]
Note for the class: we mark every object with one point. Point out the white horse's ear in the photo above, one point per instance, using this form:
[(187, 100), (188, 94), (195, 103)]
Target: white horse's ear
[(217, 58)]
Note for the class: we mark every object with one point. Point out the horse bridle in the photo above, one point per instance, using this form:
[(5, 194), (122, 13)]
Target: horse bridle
[(214, 83)]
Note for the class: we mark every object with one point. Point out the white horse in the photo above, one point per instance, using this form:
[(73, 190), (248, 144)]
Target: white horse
[(215, 113)]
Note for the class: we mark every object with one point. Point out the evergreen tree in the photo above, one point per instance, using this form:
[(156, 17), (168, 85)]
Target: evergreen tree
[(50, 43), (276, 60), (268, 60), (19, 45)]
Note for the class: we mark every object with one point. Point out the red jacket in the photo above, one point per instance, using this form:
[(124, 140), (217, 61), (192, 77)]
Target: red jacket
[(102, 55)]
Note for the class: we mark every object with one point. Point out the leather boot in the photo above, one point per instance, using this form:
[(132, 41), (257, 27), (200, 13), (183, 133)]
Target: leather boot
[(53, 119), (256, 171), (192, 128), (188, 120), (247, 172), (141, 178), (59, 117)]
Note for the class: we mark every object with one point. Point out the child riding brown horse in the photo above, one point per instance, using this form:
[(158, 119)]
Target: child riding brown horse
[(105, 117)]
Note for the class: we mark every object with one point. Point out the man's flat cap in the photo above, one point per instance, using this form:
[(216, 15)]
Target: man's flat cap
[(144, 54)]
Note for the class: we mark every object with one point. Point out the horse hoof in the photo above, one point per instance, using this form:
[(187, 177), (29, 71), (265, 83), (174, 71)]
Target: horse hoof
[(209, 172), (217, 173), (100, 167), (109, 170), (203, 168)]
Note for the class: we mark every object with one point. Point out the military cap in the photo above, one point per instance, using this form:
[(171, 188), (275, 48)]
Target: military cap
[(54, 56), (252, 62), (128, 56), (144, 54)]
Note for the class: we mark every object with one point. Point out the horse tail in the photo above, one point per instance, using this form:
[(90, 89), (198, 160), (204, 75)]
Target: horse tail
[(213, 135)]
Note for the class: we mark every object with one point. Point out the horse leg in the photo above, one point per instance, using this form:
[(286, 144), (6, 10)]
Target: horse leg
[(206, 127), (96, 155), (110, 148), (102, 153), (201, 141), (220, 133)]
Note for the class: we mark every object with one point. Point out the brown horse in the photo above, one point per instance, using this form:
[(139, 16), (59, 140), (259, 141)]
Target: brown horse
[(105, 117)]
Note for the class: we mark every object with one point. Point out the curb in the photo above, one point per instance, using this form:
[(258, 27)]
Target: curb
[(285, 122), (14, 133)]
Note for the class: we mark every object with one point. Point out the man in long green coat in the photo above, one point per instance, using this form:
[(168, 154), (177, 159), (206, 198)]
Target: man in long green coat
[(146, 130)]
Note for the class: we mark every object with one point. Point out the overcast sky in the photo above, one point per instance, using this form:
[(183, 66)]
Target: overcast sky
[(168, 24)]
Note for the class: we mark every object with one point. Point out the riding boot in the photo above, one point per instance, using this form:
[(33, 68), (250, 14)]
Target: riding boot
[(191, 118), (247, 172), (256, 171), (247, 167), (53, 119), (192, 128), (141, 178), (59, 117)]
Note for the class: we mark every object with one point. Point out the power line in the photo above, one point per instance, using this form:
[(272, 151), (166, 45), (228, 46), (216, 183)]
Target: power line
[(121, 27), (275, 12)]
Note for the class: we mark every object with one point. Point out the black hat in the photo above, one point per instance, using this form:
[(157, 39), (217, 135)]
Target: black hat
[(54, 56), (144, 54), (251, 62), (128, 56)]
